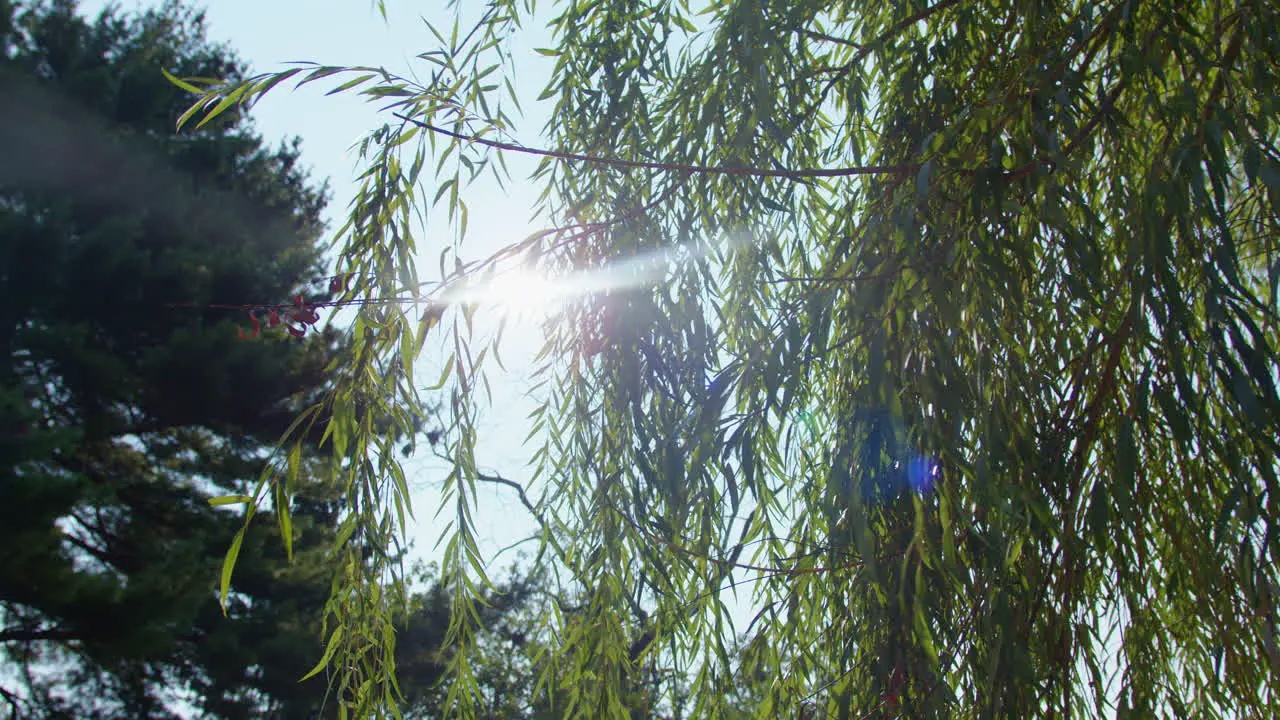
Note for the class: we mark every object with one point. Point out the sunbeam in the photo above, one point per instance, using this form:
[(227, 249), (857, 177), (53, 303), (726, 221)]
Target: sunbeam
[(525, 291)]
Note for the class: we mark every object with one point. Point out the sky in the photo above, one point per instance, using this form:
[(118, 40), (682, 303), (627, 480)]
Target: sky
[(268, 35)]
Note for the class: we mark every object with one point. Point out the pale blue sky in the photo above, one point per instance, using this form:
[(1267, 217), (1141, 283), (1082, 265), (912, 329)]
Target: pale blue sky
[(270, 33)]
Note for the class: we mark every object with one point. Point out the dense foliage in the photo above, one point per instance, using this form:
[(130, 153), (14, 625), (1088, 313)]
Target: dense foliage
[(963, 346), (122, 413)]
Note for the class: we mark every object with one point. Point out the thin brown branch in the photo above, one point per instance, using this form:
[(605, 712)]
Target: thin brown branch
[(787, 174), (678, 547), (24, 634), (524, 500), (96, 552), (923, 14), (576, 231), (814, 35), (579, 230), (17, 704), (1093, 411), (548, 535), (524, 497), (1108, 102), (1084, 132), (1220, 82), (836, 279), (884, 37)]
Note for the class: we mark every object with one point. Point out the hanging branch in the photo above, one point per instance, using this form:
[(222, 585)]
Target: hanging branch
[(797, 174), (900, 170)]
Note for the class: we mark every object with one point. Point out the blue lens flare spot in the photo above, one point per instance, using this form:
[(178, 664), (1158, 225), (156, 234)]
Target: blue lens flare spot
[(921, 473)]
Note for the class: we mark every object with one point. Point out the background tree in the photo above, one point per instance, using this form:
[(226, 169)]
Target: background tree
[(968, 355), (121, 415)]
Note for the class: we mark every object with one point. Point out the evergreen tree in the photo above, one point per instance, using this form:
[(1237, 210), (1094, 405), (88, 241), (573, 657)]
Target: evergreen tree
[(126, 402)]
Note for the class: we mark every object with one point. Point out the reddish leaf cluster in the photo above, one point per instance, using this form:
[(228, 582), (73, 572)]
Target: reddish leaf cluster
[(297, 318), (339, 283), (892, 696)]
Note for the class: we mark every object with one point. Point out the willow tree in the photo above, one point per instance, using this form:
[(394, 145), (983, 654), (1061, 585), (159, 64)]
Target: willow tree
[(952, 327)]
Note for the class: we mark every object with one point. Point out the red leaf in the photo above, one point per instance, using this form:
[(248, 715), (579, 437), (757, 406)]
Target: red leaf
[(298, 332), (274, 319)]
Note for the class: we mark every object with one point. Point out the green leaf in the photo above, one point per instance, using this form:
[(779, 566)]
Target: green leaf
[(359, 80), (430, 319), (270, 82), (319, 74), (229, 563), (1126, 465), (330, 649), (774, 205), (683, 23), (284, 515), (229, 500), (227, 101), (182, 83), (196, 107)]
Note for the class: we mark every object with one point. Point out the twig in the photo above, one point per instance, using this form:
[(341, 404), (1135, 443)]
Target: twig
[(15, 702), (866, 49), (577, 231), (793, 174)]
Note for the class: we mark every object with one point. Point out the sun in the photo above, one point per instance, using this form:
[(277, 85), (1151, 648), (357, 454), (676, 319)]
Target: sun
[(518, 292), (523, 292)]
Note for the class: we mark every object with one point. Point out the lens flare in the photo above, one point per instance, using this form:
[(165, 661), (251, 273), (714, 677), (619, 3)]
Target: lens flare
[(921, 472), (523, 290)]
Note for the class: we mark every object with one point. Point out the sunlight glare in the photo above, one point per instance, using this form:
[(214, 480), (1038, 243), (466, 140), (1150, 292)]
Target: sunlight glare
[(523, 291)]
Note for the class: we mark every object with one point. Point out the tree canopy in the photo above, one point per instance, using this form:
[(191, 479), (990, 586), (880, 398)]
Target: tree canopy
[(121, 411), (953, 326)]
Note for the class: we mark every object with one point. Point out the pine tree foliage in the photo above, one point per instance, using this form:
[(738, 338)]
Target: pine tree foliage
[(121, 414), (963, 347)]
